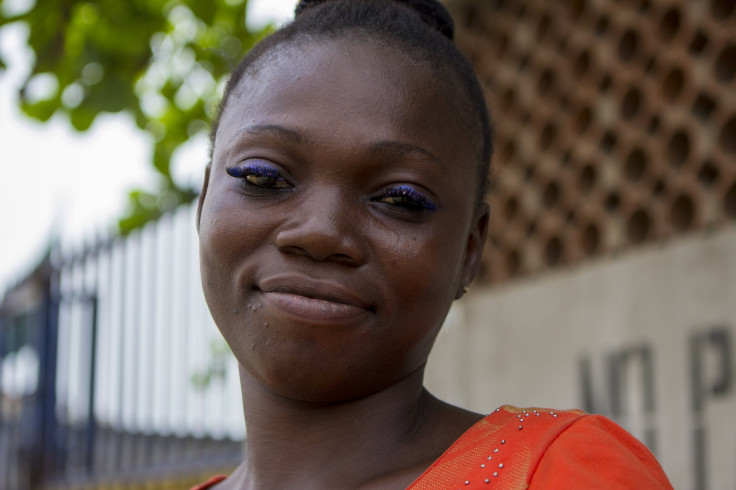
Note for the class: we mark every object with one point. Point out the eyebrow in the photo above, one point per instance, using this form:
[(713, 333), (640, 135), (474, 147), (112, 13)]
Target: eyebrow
[(384, 148), (399, 149), (283, 133)]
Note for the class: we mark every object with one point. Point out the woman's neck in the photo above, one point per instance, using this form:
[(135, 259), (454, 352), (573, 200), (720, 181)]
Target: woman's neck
[(390, 436)]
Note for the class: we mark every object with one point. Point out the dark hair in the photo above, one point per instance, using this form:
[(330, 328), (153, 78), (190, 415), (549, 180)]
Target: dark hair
[(422, 29)]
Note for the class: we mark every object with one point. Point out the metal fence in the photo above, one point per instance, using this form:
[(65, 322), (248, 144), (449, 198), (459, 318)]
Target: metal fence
[(111, 368)]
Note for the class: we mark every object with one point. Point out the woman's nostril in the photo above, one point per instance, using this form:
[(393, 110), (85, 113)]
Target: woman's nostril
[(322, 237)]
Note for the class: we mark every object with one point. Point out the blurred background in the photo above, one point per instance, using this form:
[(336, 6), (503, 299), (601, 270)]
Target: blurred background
[(609, 276)]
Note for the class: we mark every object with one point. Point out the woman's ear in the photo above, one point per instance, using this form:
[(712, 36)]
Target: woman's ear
[(474, 246), (202, 194)]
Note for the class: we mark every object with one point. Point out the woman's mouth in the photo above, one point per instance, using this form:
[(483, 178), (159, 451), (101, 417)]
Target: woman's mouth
[(312, 301)]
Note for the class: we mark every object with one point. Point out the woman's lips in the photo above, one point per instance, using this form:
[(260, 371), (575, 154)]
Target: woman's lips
[(312, 301), (313, 309)]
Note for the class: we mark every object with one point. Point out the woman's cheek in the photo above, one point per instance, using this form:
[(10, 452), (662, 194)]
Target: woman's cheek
[(423, 264)]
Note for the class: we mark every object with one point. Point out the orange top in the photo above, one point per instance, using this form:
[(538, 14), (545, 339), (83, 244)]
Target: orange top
[(535, 448), (209, 483)]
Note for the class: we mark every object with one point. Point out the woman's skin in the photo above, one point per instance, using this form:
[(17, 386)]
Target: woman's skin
[(327, 272)]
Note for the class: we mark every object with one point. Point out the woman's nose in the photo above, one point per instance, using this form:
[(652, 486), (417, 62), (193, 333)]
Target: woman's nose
[(323, 227)]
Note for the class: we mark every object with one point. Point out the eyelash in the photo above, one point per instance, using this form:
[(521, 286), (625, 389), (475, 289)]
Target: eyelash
[(406, 196), (260, 175)]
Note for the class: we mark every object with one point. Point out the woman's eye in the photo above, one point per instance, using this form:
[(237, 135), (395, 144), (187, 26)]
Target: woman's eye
[(407, 197), (259, 174)]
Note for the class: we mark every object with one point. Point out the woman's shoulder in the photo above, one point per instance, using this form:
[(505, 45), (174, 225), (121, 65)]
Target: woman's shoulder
[(542, 448)]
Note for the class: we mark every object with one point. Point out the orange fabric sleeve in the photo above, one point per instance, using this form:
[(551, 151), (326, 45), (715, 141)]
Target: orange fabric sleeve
[(209, 483), (594, 452)]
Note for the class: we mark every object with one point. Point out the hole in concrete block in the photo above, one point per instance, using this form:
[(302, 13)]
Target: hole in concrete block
[(636, 165), (729, 201), (601, 26), (613, 202), (547, 136), (703, 106), (678, 148), (543, 27), (546, 82), (551, 194), (628, 45), (682, 212), (590, 241), (726, 63), (582, 120), (698, 43), (638, 226), (587, 179), (608, 142), (510, 208), (581, 65), (631, 103), (659, 189), (553, 251), (669, 24), (708, 174), (722, 9), (727, 138), (673, 83), (577, 9)]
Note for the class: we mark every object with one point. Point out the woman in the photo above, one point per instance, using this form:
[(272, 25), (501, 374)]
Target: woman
[(341, 215)]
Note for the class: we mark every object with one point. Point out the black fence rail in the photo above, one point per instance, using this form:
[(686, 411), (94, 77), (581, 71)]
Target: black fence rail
[(111, 366)]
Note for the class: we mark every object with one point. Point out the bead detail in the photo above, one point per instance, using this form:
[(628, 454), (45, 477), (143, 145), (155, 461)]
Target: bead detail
[(486, 481), (500, 465), (483, 465), (495, 473)]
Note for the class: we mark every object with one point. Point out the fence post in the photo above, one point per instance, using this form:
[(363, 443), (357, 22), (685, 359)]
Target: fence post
[(47, 372)]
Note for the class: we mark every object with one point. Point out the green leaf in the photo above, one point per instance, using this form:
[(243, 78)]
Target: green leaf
[(81, 118), (41, 111), (117, 36), (204, 9)]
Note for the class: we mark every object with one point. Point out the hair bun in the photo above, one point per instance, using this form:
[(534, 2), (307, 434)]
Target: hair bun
[(305, 4), (432, 12)]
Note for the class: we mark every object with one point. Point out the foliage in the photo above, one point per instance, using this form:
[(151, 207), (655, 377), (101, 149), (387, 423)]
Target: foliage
[(161, 61)]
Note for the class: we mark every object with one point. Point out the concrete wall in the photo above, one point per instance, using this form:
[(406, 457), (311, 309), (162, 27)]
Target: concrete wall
[(647, 338)]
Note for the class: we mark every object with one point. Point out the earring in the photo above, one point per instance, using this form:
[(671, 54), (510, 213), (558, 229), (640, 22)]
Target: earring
[(466, 289)]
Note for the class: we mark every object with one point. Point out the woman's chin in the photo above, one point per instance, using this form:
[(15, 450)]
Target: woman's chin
[(318, 386)]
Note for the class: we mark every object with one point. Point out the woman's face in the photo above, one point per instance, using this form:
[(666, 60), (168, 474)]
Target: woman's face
[(338, 221)]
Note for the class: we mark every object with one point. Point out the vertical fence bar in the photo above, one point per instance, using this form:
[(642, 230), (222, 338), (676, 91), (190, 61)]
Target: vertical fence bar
[(118, 423), (47, 371), (91, 428), (101, 409)]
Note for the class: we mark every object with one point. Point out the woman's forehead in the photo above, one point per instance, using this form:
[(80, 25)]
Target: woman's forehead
[(347, 60), (344, 80)]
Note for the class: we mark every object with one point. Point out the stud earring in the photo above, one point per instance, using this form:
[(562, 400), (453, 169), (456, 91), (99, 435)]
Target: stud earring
[(466, 289)]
